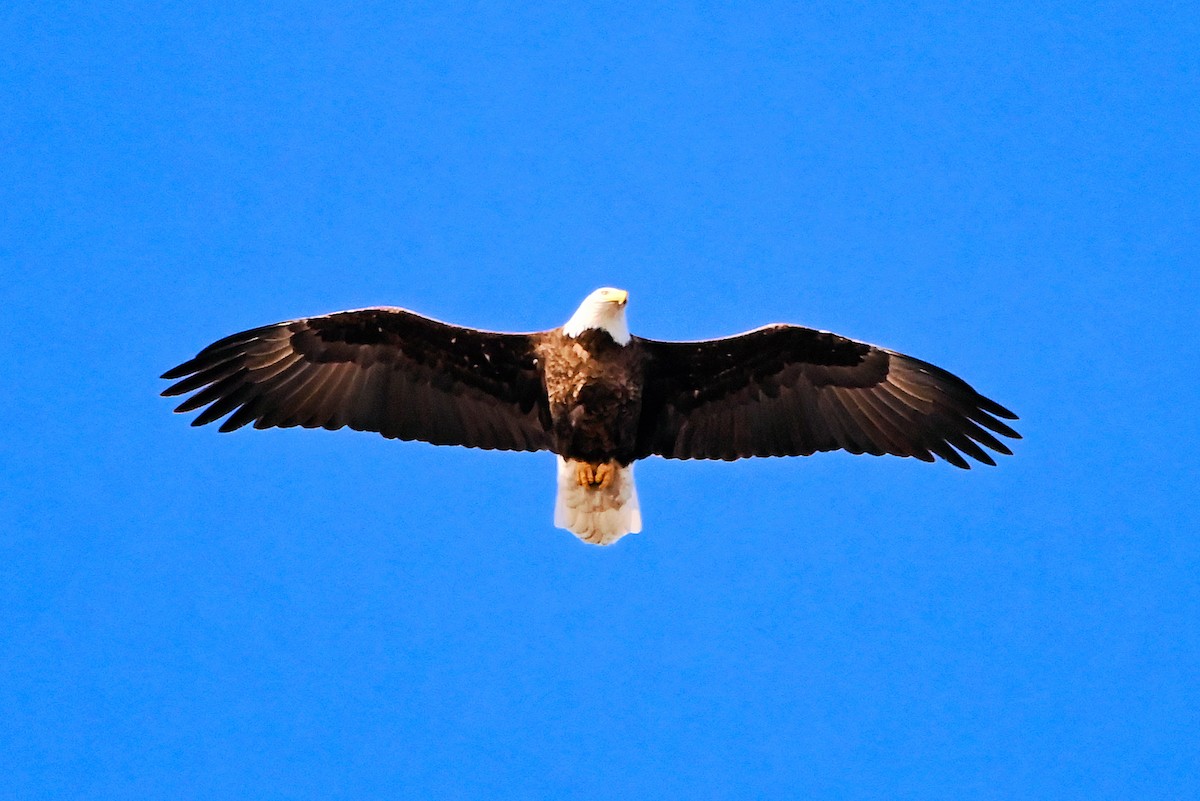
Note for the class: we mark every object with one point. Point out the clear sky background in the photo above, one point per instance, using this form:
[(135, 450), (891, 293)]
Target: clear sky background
[(1007, 190)]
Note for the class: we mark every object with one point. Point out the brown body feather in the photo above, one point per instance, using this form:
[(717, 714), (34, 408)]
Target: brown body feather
[(594, 387)]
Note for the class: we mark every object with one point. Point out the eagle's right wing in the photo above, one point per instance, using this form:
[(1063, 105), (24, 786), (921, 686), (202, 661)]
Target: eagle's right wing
[(784, 390), (386, 370)]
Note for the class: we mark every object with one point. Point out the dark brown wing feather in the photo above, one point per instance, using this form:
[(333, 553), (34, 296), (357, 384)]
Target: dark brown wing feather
[(386, 370), (784, 390)]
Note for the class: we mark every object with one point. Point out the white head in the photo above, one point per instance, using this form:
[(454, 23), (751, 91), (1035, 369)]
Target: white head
[(603, 309)]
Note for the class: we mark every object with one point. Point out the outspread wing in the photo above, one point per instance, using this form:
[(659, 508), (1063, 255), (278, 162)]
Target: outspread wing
[(784, 390), (386, 370)]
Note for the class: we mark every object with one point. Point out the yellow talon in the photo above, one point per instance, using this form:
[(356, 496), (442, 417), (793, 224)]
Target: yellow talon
[(605, 473), (585, 474)]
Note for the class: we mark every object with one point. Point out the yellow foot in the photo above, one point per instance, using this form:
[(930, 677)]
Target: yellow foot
[(596, 476), (585, 474), (605, 473)]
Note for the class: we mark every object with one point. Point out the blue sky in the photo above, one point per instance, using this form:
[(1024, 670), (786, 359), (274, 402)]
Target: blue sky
[(1009, 192)]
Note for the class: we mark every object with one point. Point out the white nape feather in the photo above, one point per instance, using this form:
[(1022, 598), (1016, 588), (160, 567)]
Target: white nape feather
[(597, 516), (603, 309)]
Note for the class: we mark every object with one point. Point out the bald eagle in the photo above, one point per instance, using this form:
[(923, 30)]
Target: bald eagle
[(591, 393)]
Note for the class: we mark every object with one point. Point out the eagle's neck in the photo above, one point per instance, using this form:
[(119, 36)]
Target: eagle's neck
[(607, 317)]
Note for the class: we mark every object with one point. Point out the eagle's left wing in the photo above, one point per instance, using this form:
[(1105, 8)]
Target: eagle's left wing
[(784, 390), (384, 369)]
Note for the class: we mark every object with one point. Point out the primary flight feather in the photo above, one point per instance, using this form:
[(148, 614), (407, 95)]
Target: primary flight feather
[(593, 394)]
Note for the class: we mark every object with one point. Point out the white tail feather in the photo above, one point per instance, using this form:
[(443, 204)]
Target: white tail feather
[(598, 516)]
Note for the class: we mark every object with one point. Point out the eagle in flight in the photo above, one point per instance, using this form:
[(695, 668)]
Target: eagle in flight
[(593, 394)]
